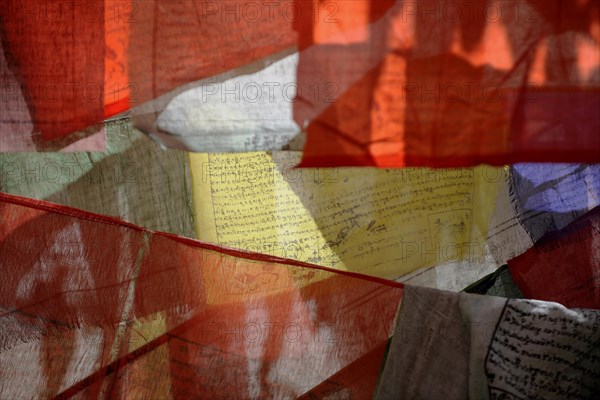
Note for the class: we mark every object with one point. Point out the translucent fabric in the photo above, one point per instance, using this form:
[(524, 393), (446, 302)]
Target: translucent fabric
[(95, 307), (445, 83), (134, 180), (459, 346), (75, 63), (384, 83), (564, 266), (547, 197)]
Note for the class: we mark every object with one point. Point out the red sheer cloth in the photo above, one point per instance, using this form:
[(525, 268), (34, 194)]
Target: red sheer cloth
[(449, 83), (92, 306), (564, 266), (76, 63)]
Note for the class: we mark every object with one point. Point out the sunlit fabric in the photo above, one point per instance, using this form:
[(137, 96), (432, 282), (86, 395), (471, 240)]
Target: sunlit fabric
[(458, 255), (244, 109), (442, 228), (564, 266), (76, 63), (18, 132), (457, 346), (389, 223), (548, 197), (95, 307), (445, 83), (385, 83), (57, 52)]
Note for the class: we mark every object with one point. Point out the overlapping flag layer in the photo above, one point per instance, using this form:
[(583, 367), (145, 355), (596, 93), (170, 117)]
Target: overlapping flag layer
[(299, 199)]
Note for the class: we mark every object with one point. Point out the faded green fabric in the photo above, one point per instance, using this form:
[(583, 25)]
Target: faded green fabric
[(135, 180)]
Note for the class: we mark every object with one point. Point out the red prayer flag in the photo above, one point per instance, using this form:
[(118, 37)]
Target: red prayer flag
[(448, 83), (157, 313), (77, 63), (563, 266)]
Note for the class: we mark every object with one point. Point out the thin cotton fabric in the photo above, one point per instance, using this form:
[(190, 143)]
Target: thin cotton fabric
[(547, 197), (442, 228), (17, 129), (386, 83), (458, 346), (95, 307), (446, 83), (386, 223), (134, 180), (249, 108), (57, 52), (564, 266), (76, 63)]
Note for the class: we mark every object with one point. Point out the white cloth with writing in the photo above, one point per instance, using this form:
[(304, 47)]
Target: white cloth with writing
[(458, 345)]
